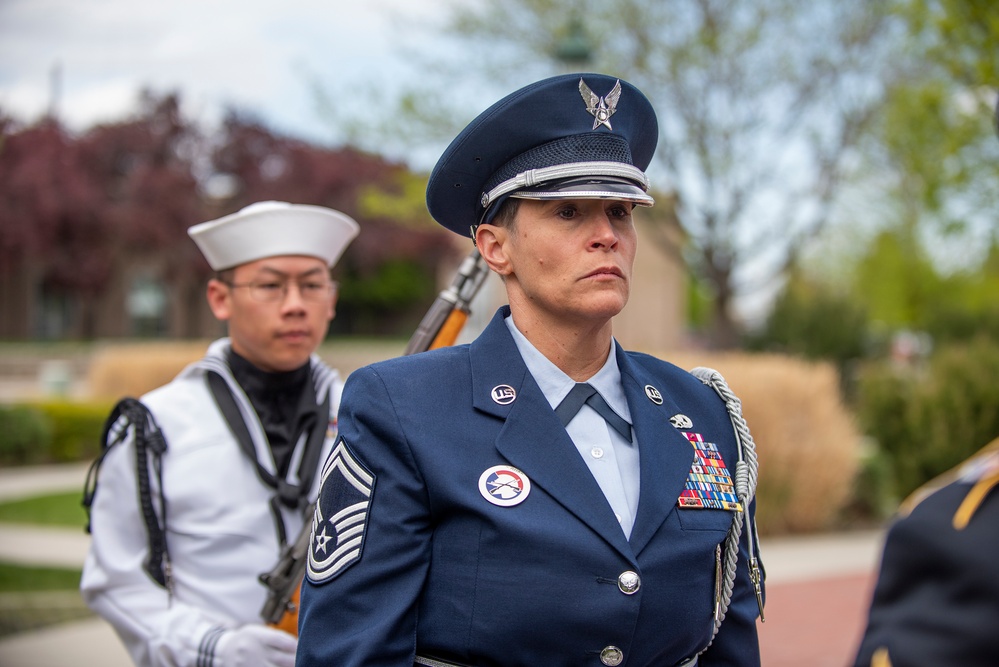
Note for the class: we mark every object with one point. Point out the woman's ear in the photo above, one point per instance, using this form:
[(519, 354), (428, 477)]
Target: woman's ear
[(492, 244)]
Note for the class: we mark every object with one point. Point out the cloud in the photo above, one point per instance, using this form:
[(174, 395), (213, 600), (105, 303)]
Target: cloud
[(251, 54)]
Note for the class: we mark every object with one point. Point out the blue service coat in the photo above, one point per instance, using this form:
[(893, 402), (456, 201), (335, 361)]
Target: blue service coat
[(442, 572)]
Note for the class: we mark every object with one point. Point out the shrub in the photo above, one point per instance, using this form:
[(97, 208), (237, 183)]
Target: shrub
[(874, 496), (806, 440), (25, 435), (51, 432), (928, 419), (814, 323), (76, 429)]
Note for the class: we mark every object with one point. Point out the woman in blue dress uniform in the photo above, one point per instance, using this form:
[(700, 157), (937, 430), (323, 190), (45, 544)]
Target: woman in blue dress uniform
[(539, 496)]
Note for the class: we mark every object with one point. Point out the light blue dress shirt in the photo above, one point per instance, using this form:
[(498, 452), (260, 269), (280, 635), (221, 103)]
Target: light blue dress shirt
[(612, 460)]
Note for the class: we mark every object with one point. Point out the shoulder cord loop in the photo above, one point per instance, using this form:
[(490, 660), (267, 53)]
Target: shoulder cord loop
[(746, 475), (131, 415)]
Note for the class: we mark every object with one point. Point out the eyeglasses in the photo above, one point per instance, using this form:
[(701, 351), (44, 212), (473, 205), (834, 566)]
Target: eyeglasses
[(275, 291)]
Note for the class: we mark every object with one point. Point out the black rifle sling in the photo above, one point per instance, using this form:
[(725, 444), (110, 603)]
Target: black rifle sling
[(227, 404), (148, 439), (309, 466)]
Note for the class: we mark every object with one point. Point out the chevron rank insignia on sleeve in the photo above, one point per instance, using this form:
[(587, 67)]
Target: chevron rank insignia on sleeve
[(341, 516)]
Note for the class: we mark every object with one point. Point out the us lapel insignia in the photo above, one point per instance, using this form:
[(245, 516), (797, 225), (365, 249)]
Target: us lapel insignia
[(504, 394), (653, 394), (709, 483)]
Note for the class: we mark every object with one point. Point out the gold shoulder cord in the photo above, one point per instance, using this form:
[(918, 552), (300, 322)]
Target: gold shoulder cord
[(881, 658), (974, 500), (979, 491)]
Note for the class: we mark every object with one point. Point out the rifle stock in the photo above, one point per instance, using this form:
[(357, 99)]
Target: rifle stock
[(284, 580), (440, 327), (449, 312)]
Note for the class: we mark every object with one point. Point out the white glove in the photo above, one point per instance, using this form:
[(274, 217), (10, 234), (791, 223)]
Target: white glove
[(256, 646)]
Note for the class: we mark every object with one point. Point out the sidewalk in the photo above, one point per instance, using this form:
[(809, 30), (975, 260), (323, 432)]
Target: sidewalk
[(818, 588), (89, 643), (37, 480), (818, 591)]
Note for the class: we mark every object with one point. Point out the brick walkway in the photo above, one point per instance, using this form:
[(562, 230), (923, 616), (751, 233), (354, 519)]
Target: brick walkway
[(816, 623)]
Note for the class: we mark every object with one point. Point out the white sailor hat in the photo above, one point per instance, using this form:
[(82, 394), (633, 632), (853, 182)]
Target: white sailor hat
[(574, 136), (271, 229)]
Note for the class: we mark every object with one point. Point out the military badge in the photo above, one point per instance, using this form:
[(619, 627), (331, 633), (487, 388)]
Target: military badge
[(681, 421), (601, 108), (504, 486), (709, 483), (341, 515)]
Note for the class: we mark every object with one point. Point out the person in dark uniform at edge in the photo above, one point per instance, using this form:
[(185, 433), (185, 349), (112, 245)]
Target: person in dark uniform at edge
[(178, 547), (539, 496), (936, 598)]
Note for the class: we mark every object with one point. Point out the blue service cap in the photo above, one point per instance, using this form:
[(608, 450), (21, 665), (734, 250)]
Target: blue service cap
[(574, 136)]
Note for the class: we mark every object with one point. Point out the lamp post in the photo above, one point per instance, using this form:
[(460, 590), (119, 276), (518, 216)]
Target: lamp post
[(574, 48)]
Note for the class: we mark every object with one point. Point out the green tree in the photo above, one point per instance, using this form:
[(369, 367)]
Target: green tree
[(815, 321), (896, 281), (851, 310), (933, 150)]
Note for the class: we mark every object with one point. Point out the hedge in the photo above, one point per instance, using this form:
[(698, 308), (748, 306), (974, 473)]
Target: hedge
[(51, 432), (927, 419)]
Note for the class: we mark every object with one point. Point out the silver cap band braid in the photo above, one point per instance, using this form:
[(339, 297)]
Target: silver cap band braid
[(533, 177)]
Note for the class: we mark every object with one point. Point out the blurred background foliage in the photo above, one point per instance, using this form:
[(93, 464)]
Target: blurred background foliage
[(833, 162)]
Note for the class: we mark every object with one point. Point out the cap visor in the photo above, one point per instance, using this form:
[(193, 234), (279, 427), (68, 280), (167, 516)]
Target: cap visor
[(587, 188)]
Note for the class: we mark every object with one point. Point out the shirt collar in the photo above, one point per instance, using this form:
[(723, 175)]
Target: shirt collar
[(555, 384)]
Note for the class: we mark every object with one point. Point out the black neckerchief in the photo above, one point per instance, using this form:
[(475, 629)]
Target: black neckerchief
[(308, 417), (277, 398)]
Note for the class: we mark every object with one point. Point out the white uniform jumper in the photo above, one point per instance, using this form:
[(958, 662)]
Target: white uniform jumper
[(221, 531)]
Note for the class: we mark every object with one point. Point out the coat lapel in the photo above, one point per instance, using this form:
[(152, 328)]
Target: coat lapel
[(532, 438), (665, 455)]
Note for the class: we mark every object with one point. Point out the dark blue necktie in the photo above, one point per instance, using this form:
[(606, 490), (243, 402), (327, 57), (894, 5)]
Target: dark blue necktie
[(585, 393)]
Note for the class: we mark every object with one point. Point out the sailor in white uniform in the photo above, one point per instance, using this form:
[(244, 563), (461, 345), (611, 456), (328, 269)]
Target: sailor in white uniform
[(204, 480)]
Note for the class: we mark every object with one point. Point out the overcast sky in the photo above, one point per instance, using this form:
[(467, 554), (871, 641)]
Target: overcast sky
[(256, 55)]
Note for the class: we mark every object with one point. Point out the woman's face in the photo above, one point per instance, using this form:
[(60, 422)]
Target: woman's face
[(569, 260)]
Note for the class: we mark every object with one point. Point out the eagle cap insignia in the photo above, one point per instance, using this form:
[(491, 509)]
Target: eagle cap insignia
[(601, 108)]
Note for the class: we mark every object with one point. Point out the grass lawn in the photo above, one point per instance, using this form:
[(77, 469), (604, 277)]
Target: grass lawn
[(26, 579), (58, 509), (35, 597)]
